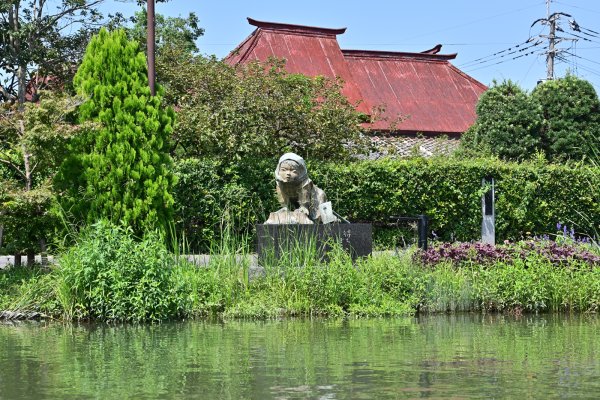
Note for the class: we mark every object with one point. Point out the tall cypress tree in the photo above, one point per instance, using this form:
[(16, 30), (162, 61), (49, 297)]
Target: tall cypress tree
[(571, 111), (508, 123), (122, 167)]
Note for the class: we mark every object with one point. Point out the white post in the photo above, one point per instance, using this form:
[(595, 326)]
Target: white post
[(488, 207)]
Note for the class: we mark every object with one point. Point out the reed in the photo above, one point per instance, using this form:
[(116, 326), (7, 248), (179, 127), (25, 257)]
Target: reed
[(109, 275)]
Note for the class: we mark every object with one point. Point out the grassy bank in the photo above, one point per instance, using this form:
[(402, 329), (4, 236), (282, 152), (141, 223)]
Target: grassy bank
[(108, 275)]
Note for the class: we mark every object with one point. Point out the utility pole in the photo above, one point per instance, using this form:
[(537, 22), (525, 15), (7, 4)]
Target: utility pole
[(551, 42), (150, 41), (552, 20)]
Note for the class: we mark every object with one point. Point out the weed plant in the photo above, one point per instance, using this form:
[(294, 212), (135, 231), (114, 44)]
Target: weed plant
[(25, 288), (109, 275)]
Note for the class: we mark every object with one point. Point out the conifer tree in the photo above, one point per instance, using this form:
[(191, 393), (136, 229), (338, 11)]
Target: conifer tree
[(571, 112), (122, 167), (508, 123)]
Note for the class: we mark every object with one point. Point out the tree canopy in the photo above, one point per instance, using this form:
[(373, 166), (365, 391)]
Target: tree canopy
[(560, 118), (571, 117), (179, 32), (256, 110), (122, 168), (37, 43), (508, 123), (33, 143)]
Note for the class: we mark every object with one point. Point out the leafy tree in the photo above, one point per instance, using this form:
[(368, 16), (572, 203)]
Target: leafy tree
[(256, 110), (571, 112), (560, 119), (33, 141), (508, 123), (38, 44), (177, 32), (122, 168), (36, 53)]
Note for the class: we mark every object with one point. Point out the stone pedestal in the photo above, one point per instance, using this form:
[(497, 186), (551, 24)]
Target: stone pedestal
[(272, 240)]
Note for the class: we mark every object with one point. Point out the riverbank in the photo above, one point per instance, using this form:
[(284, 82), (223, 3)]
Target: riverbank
[(300, 284)]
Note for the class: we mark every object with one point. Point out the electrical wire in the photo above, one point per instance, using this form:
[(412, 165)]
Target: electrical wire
[(498, 52), (530, 67), (581, 8), (479, 20), (589, 30), (589, 70), (582, 38), (580, 66), (506, 60), (589, 34), (501, 54), (583, 58)]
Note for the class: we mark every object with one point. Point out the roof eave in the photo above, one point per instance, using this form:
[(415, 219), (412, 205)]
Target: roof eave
[(397, 55), (296, 28)]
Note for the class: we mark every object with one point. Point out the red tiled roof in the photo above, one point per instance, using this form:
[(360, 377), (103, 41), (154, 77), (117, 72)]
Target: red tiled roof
[(307, 50), (424, 89)]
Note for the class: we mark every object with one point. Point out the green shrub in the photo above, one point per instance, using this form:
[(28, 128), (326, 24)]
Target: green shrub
[(211, 195), (121, 169), (14, 285), (571, 118), (530, 197), (109, 275), (560, 118), (508, 123)]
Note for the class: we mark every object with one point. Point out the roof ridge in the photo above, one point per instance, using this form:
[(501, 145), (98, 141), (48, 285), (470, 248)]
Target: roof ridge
[(304, 29), (397, 54)]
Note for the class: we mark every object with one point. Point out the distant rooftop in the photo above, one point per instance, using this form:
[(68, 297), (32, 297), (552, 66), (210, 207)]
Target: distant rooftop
[(420, 92)]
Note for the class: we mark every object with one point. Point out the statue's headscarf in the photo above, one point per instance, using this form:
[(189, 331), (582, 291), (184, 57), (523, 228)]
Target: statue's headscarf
[(303, 173)]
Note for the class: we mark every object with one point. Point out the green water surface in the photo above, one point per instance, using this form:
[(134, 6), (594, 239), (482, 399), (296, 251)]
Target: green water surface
[(463, 356)]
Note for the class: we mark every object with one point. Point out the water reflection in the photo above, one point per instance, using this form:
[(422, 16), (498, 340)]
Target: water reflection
[(465, 356)]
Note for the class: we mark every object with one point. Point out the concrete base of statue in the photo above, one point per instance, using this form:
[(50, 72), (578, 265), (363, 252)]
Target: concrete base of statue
[(277, 240), (284, 217)]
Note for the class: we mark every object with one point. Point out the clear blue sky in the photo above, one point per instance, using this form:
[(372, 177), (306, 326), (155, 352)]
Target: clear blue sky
[(472, 28)]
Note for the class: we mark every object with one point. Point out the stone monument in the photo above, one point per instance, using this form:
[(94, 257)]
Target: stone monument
[(306, 216), (302, 202)]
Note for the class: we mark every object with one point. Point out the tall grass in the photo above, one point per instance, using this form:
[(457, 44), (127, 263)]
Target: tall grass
[(28, 288), (110, 275)]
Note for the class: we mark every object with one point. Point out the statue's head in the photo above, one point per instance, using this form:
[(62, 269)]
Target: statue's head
[(291, 168)]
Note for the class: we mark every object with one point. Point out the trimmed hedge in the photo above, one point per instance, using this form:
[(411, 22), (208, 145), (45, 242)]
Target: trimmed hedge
[(530, 197)]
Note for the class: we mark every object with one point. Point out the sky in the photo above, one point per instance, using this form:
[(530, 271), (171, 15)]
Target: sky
[(475, 29)]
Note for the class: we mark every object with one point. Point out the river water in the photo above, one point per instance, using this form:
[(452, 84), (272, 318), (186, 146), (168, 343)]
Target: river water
[(458, 356)]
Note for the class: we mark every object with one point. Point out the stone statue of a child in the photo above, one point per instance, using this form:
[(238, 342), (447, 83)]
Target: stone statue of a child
[(301, 200)]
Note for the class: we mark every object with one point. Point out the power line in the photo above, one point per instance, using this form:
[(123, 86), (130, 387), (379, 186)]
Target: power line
[(506, 60), (583, 58), (502, 53), (581, 66), (589, 70), (589, 30), (478, 20), (581, 8), (583, 38), (529, 69)]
